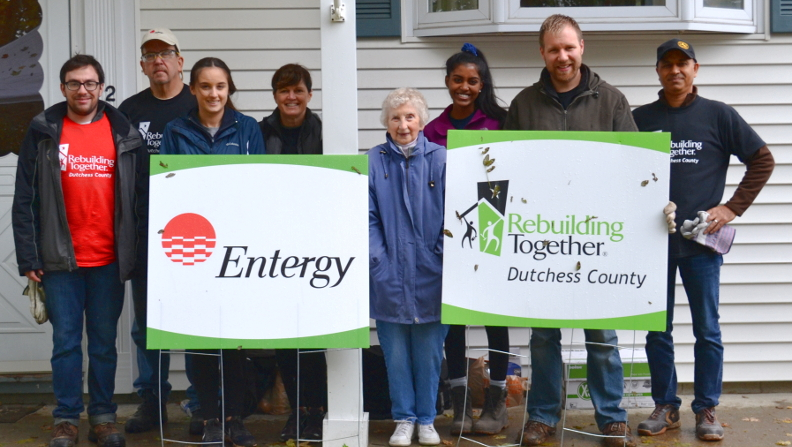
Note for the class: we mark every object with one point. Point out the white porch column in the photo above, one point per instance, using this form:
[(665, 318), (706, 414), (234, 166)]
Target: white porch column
[(346, 423)]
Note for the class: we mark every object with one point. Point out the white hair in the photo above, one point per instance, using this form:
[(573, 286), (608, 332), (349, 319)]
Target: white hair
[(401, 96)]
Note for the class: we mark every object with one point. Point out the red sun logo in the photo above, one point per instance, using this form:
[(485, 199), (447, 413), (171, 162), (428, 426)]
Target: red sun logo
[(188, 238)]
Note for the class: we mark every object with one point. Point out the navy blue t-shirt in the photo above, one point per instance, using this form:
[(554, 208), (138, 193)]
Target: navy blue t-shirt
[(704, 136)]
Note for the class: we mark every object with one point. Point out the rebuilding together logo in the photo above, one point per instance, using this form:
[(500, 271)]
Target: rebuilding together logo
[(190, 238)]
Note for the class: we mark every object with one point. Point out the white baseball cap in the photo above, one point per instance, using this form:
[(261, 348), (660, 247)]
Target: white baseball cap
[(162, 34)]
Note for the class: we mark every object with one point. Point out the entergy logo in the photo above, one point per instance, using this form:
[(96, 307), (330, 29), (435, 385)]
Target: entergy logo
[(63, 156), (188, 238), (491, 207)]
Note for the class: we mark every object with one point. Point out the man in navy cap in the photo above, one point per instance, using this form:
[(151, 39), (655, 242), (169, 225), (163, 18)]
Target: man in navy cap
[(704, 136)]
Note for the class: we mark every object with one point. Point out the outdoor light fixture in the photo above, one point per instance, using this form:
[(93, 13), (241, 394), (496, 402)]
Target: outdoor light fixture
[(337, 11)]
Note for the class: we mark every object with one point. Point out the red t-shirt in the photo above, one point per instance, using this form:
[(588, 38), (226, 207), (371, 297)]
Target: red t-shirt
[(87, 161)]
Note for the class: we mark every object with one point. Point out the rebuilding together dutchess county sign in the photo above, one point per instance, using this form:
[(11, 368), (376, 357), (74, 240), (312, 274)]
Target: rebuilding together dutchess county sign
[(556, 229), (258, 251)]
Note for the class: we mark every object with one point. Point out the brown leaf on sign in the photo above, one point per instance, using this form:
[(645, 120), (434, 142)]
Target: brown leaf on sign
[(447, 233), (170, 175), (524, 201), (356, 169), (490, 168), (484, 151), (164, 165), (160, 231), (645, 182), (475, 268), (577, 267)]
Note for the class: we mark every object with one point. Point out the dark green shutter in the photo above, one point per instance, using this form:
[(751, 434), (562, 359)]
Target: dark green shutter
[(781, 16), (378, 18)]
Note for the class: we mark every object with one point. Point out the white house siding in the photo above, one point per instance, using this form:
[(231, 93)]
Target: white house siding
[(255, 37), (752, 75)]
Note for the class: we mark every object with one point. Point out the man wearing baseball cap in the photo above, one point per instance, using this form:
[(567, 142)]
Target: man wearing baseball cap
[(167, 98), (704, 135)]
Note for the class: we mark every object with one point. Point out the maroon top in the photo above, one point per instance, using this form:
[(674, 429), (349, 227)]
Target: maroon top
[(437, 130)]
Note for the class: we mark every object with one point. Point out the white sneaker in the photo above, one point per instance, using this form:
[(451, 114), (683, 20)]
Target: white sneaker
[(402, 436), (427, 435)]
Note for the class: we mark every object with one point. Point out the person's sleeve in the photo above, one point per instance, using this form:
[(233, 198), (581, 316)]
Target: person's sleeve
[(512, 117), (623, 118), (169, 145), (142, 170), (378, 251), (25, 208), (255, 138), (758, 170)]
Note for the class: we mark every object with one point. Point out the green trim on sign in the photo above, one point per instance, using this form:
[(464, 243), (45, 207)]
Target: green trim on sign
[(655, 321), (656, 141), (179, 162), (159, 339)]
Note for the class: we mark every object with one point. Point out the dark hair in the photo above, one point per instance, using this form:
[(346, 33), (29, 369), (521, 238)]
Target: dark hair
[(79, 61), (290, 74), (214, 62), (486, 101)]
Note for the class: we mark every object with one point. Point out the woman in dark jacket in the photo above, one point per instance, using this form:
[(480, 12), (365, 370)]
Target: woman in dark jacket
[(292, 128), (215, 127)]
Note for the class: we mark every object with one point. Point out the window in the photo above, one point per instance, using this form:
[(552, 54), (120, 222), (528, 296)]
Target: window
[(449, 17)]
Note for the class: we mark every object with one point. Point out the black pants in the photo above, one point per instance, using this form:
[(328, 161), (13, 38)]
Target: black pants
[(207, 382), (497, 338), (313, 377)]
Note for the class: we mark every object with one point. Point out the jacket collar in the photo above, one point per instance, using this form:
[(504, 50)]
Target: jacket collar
[(50, 121), (229, 119), (421, 148), (688, 99), (585, 84)]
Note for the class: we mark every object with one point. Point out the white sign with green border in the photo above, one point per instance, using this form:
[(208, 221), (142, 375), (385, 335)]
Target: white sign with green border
[(556, 229), (259, 251)]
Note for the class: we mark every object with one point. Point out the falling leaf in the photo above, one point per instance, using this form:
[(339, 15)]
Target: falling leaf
[(160, 231), (654, 177), (490, 168), (355, 169), (577, 267), (752, 420), (645, 182), (447, 233), (170, 175), (524, 201), (484, 151), (475, 268), (163, 165)]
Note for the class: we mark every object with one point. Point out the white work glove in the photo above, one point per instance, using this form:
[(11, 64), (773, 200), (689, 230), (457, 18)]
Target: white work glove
[(36, 293), (692, 228), (670, 216)]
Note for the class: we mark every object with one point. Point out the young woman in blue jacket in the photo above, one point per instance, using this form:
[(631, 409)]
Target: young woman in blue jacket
[(406, 198), (215, 127)]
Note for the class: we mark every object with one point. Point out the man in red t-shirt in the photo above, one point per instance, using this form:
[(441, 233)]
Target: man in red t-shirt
[(74, 218)]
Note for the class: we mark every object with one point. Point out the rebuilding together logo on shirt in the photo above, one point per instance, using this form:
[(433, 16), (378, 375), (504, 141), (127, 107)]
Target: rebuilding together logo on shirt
[(190, 238), (683, 149), (82, 166), (153, 139)]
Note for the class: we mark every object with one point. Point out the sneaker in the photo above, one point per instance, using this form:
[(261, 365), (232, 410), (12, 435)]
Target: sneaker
[(212, 431), (237, 434), (314, 423), (535, 433), (147, 416), (664, 417), (290, 429), (708, 428), (463, 411), (64, 435), (494, 418), (196, 422), (427, 435), (622, 436), (402, 436), (106, 435)]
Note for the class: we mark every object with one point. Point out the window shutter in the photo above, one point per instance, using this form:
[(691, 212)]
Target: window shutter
[(378, 18), (781, 16)]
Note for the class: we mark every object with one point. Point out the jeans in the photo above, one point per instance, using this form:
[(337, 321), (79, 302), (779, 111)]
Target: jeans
[(413, 355), (605, 376), (98, 294), (701, 279), (147, 359)]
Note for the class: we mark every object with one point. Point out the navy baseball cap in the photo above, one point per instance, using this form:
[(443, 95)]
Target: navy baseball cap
[(675, 44)]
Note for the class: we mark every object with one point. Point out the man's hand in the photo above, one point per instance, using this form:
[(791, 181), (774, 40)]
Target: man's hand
[(35, 275), (718, 217), (670, 216)]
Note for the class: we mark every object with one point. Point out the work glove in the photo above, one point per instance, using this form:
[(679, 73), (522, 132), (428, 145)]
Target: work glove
[(36, 293), (692, 228), (670, 215)]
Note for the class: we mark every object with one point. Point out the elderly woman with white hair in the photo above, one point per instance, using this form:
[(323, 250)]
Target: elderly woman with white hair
[(406, 202)]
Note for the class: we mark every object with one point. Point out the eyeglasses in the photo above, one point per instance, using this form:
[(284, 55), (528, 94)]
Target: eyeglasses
[(165, 55), (75, 85)]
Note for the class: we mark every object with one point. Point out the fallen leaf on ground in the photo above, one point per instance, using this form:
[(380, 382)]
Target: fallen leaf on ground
[(725, 424), (789, 407), (750, 419), (499, 437), (785, 420), (447, 442), (784, 443), (789, 434)]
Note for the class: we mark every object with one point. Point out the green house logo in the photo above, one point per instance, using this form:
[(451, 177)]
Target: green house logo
[(490, 211)]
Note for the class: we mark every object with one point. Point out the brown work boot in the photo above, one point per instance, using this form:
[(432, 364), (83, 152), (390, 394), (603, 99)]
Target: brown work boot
[(463, 411), (494, 418), (536, 433), (622, 435), (106, 435), (664, 417), (64, 435), (708, 428)]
